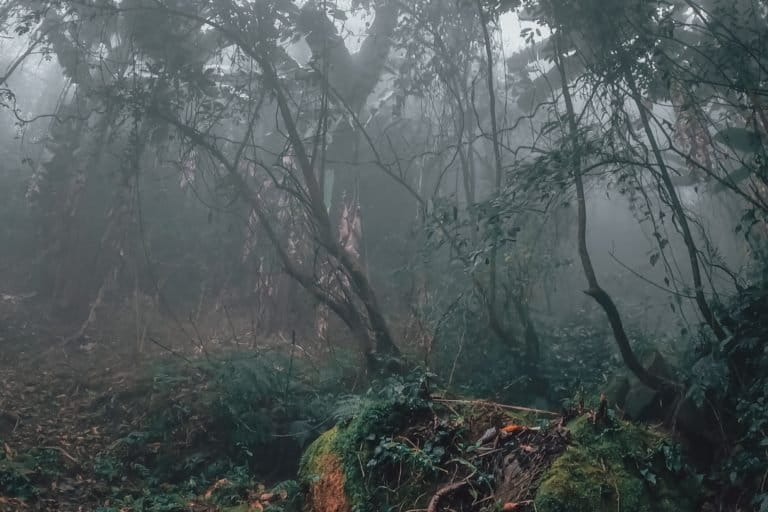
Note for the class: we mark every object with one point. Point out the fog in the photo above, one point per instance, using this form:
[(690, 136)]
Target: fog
[(522, 199)]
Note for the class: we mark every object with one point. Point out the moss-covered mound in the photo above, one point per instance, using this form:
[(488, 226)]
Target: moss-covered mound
[(349, 467), (616, 467), (407, 451), (324, 474)]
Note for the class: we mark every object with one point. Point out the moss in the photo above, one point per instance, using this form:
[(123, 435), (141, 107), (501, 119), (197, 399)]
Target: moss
[(618, 468), (330, 484), (621, 467), (351, 445), (238, 508), (309, 466)]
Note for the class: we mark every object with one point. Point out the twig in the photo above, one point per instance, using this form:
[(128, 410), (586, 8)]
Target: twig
[(494, 404), (63, 452), (171, 351)]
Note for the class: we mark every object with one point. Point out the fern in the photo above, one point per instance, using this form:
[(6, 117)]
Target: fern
[(347, 407)]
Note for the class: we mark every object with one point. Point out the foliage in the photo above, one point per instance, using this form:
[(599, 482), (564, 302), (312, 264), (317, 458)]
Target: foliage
[(213, 427), (209, 98), (365, 436), (23, 474), (578, 357), (234, 411), (620, 467), (731, 378), (383, 461), (475, 363)]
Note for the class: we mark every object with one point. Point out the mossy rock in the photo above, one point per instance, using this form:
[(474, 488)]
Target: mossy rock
[(619, 467)]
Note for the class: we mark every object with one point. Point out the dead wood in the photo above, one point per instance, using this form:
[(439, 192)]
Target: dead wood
[(434, 503)]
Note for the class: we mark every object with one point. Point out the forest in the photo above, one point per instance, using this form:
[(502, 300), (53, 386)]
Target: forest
[(384, 255)]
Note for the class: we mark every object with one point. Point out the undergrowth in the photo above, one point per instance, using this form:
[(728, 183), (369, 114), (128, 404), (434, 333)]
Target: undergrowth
[(23, 475), (215, 428), (730, 379), (367, 444)]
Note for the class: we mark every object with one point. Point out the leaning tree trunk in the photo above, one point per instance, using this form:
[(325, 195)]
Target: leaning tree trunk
[(350, 80), (595, 291)]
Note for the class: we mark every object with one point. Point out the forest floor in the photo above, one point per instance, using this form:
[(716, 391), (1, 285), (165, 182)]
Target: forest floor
[(84, 427), (50, 425), (48, 420), (62, 408)]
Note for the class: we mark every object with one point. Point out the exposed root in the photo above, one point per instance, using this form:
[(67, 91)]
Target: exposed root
[(434, 503)]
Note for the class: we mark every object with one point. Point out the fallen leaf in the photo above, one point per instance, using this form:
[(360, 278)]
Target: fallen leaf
[(515, 506), (218, 485)]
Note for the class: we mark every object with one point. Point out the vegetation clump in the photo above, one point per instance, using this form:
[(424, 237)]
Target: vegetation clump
[(345, 467), (23, 475), (618, 467), (474, 455)]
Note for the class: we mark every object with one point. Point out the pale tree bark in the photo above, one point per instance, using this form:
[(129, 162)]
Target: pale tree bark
[(349, 79), (383, 341)]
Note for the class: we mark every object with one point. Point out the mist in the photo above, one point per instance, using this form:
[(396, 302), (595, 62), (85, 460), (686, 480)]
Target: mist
[(227, 226)]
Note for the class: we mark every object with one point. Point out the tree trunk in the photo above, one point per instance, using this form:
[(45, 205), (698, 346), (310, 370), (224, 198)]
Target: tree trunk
[(595, 291), (680, 215)]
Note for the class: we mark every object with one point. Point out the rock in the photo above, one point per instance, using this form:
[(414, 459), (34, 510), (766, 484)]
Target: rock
[(390, 456)]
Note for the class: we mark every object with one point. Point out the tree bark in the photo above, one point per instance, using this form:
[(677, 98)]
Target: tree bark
[(595, 291), (496, 146), (679, 211)]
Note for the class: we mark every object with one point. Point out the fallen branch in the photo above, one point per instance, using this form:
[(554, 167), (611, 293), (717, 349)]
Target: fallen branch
[(442, 492), (63, 452), (494, 404)]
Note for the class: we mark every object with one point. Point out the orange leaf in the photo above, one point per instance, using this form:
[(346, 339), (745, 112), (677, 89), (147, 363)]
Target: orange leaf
[(218, 485), (515, 506)]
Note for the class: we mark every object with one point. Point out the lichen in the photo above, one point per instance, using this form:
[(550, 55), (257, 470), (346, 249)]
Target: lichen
[(621, 467)]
